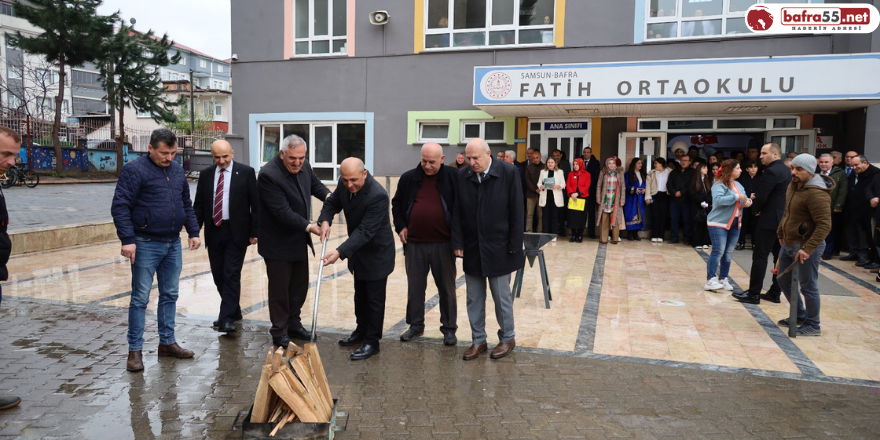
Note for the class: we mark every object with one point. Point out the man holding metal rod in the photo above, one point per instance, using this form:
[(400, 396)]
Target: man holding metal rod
[(369, 250), (807, 220)]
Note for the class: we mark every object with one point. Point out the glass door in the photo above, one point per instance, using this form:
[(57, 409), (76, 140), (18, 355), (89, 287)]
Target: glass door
[(570, 143), (322, 154), (797, 141), (646, 145)]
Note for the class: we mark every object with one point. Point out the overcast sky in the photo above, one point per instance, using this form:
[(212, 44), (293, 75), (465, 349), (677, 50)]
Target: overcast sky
[(200, 24)]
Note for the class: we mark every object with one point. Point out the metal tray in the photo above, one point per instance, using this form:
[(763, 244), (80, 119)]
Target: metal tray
[(296, 430)]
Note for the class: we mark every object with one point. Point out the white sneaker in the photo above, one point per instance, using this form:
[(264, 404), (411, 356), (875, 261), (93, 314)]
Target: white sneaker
[(698, 247), (659, 240), (554, 239), (654, 240), (713, 284), (726, 284), (705, 246)]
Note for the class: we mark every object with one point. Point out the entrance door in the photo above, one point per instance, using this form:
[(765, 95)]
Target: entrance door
[(569, 142), (646, 145), (798, 141)]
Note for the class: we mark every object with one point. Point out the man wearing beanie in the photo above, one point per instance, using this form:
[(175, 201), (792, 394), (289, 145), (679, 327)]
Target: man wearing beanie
[(807, 221)]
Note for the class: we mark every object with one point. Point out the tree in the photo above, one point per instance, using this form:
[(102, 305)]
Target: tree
[(130, 74), (72, 35)]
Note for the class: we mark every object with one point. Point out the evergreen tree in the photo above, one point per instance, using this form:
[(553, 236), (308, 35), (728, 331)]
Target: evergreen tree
[(72, 35), (130, 74)]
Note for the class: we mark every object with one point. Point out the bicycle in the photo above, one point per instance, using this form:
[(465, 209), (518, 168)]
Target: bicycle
[(29, 178)]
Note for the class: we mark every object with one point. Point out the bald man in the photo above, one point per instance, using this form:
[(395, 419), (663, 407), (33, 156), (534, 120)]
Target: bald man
[(422, 208), (226, 204), (369, 250)]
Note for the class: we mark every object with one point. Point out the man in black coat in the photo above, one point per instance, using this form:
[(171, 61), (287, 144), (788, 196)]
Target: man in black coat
[(679, 206), (859, 212), (9, 147), (487, 232), (592, 165), (226, 204), (369, 250), (286, 185), (768, 207), (422, 208)]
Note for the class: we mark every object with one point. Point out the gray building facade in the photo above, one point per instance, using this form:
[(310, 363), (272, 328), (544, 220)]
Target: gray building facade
[(378, 91)]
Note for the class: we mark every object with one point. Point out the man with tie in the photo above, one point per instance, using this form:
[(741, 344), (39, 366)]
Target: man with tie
[(591, 164), (850, 155), (838, 199), (369, 250), (487, 232), (226, 204), (285, 186)]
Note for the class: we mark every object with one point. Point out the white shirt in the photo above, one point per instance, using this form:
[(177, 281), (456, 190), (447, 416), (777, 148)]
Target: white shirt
[(227, 178), (484, 171), (662, 177)]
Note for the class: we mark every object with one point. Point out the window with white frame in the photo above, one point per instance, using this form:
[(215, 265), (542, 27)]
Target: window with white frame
[(47, 105), (320, 27), (218, 108), (476, 23), (182, 61), (206, 107), (203, 63), (144, 114), (700, 18), (490, 131), (434, 131), (328, 143), (220, 68), (13, 101)]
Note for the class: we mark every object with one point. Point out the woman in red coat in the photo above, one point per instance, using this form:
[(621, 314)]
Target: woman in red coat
[(578, 187)]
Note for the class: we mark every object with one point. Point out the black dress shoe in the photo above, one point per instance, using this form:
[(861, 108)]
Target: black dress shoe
[(216, 323), (826, 256), (745, 297), (411, 334), (301, 333), (770, 297), (872, 265), (850, 257), (878, 278), (637, 238), (739, 246), (364, 352), (580, 239), (572, 239), (863, 263), (283, 341), (226, 327), (351, 340), (449, 339)]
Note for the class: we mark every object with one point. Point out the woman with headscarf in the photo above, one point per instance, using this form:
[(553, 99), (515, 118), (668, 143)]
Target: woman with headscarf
[(578, 188), (634, 209), (611, 198)]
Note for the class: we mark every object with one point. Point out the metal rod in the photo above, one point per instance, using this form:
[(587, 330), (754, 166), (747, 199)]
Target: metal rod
[(795, 296), (318, 289)]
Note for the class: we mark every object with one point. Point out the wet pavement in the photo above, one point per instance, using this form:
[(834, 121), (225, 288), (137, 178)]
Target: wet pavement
[(67, 362)]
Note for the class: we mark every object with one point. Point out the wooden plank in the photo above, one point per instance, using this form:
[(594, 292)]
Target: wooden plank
[(279, 426), (292, 350), (263, 398), (304, 373), (277, 360), (318, 371), (269, 356), (288, 388), (277, 412)]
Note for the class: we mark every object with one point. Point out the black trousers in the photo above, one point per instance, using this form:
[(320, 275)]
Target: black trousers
[(859, 236), (836, 226), (591, 216), (369, 308), (440, 260), (748, 226), (552, 217), (226, 261), (764, 242), (659, 213), (288, 286)]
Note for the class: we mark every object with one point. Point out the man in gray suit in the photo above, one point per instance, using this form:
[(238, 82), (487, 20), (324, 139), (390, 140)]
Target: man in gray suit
[(487, 231), (369, 250)]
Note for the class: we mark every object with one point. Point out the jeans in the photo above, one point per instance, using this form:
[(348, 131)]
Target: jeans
[(808, 279), (723, 242), (164, 260), (681, 209)]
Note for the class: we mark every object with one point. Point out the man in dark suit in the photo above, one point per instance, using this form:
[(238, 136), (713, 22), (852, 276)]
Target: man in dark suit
[(369, 250), (487, 232), (592, 165), (226, 204), (768, 206), (286, 185), (859, 213)]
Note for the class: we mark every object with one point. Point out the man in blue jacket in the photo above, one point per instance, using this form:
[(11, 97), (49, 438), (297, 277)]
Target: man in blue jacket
[(9, 142), (150, 206)]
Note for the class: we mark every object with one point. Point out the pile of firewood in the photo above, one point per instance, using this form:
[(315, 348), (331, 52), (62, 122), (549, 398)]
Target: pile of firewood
[(293, 386)]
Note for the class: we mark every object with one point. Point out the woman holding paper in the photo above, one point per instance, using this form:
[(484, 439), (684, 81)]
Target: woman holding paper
[(551, 182), (578, 188)]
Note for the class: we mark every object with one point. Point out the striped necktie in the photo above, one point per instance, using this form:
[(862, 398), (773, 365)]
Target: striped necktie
[(218, 200)]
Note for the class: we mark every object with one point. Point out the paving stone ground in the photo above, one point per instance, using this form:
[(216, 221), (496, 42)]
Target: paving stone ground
[(68, 363)]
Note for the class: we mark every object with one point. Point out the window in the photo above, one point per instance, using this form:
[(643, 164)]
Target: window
[(182, 61), (218, 108), (328, 143), (44, 77), (216, 84), (7, 9), (320, 27), (47, 105), (203, 63), (479, 23), (14, 71), (434, 132), (220, 68), (89, 106), (206, 107), (491, 131), (81, 78), (13, 101), (700, 18), (144, 114)]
